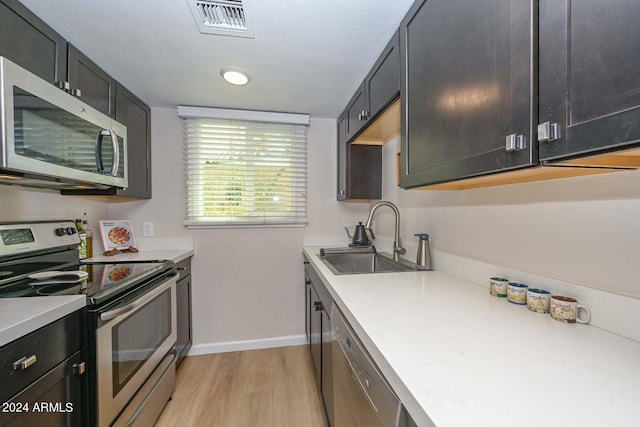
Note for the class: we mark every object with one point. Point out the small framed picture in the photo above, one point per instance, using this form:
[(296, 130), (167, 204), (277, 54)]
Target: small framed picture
[(117, 234)]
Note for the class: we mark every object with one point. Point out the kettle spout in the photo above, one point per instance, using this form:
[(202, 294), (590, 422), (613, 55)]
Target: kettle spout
[(347, 230)]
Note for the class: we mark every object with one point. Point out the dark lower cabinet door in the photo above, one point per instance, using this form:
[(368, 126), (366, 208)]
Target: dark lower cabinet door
[(183, 296), (466, 89), (589, 76), (26, 40), (315, 342), (55, 400), (96, 87)]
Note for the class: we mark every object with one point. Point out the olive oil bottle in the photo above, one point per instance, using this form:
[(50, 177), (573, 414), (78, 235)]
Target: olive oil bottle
[(83, 239)]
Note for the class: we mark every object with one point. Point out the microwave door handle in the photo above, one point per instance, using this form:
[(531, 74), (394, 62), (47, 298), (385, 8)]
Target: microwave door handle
[(116, 153), (99, 161)]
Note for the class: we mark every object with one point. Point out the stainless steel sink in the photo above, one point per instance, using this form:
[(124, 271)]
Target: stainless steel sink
[(362, 263)]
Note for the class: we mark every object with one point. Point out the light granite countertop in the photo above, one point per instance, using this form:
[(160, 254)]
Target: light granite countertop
[(21, 316), (457, 356)]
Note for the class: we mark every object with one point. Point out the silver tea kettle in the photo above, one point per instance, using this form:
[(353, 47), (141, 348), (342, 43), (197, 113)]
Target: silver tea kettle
[(359, 237)]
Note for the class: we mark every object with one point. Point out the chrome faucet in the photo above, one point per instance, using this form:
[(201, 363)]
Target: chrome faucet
[(397, 248)]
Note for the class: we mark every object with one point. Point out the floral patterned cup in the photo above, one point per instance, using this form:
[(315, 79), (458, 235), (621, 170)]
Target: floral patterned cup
[(565, 309), (517, 293), (538, 300), (498, 287)]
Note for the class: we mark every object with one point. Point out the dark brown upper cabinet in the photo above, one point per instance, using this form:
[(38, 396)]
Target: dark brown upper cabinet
[(29, 42), (467, 89), (136, 116), (26, 40), (378, 90), (589, 78), (359, 168), (90, 83)]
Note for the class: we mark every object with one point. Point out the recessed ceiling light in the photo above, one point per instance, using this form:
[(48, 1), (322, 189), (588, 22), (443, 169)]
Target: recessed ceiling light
[(235, 76)]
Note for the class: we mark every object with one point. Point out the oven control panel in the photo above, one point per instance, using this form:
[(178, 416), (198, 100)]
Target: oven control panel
[(20, 238)]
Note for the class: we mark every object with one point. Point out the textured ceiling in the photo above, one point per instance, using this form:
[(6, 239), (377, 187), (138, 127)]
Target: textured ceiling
[(308, 56)]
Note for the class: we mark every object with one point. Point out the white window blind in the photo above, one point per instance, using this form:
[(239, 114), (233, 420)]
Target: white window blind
[(244, 173)]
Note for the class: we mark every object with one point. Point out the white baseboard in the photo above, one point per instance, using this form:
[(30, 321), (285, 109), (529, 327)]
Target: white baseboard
[(225, 347)]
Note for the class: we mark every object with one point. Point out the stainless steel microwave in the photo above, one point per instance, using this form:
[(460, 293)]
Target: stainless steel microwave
[(51, 139)]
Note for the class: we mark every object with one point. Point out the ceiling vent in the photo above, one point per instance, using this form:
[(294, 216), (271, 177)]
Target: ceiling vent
[(223, 17)]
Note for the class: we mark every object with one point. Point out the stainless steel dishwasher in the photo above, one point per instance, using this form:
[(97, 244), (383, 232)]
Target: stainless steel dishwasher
[(361, 395)]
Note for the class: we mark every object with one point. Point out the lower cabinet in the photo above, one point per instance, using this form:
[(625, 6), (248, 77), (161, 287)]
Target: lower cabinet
[(183, 296), (318, 329), (43, 377)]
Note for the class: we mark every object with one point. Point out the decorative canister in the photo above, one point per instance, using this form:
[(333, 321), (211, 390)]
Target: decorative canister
[(517, 293), (498, 287)]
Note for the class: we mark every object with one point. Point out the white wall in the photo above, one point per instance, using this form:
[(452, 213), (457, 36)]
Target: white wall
[(22, 203), (583, 230), (247, 283)]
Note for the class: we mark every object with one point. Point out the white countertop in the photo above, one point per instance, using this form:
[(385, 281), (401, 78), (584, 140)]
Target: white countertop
[(20, 316), (176, 255), (457, 356)]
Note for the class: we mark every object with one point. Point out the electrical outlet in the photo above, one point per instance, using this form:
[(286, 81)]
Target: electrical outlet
[(147, 229)]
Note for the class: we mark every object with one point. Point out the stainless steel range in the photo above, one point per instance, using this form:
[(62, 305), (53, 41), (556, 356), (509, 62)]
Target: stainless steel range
[(131, 312)]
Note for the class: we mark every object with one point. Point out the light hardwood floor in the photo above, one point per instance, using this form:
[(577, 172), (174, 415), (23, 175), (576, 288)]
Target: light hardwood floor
[(259, 388)]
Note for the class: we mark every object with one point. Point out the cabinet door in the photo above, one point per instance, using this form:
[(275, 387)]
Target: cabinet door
[(26, 40), (364, 172), (342, 158), (383, 81), (355, 113), (466, 85), (316, 335), (136, 116), (183, 308), (96, 87), (589, 81), (359, 168), (54, 400)]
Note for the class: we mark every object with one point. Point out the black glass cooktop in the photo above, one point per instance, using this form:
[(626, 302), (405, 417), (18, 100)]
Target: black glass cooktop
[(104, 281)]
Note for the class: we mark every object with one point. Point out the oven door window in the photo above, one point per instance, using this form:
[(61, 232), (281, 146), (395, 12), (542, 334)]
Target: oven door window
[(135, 339)]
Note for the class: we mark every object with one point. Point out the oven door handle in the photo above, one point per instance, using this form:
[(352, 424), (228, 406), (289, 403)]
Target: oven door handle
[(112, 314)]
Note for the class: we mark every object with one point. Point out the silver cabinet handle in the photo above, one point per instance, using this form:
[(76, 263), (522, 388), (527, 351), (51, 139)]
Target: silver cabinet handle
[(548, 132), (515, 142), (78, 368), (77, 93), (24, 362)]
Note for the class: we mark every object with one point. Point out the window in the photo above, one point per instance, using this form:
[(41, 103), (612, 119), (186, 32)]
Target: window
[(244, 168)]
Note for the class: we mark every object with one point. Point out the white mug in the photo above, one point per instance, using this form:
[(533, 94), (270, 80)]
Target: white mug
[(566, 309)]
